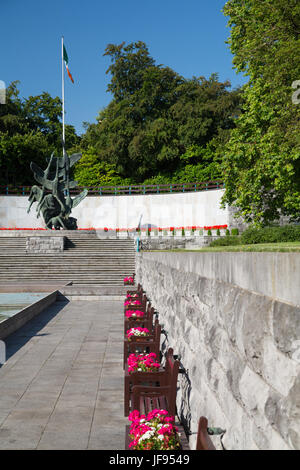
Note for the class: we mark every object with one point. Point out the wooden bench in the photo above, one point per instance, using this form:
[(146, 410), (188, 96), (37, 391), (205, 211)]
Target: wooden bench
[(142, 307), (203, 440), (145, 322), (160, 391), (143, 344), (138, 290)]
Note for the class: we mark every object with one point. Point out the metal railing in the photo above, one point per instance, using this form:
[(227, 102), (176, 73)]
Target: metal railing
[(126, 190)]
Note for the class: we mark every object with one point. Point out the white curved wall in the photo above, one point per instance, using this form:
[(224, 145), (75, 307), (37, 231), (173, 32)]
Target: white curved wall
[(161, 210)]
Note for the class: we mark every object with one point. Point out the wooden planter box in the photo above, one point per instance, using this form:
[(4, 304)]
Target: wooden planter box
[(184, 444)]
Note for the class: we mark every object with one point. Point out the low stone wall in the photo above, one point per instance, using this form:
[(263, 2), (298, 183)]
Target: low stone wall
[(38, 244), (234, 319), (173, 243), (12, 324)]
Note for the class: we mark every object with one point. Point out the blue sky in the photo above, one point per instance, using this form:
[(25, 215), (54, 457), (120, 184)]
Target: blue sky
[(188, 36)]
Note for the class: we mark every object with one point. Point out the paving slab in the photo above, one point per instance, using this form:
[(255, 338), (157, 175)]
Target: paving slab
[(62, 384)]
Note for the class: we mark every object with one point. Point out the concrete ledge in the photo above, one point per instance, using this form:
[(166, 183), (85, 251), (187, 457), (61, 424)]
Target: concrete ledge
[(94, 290), (35, 286), (276, 275), (93, 298), (15, 322)]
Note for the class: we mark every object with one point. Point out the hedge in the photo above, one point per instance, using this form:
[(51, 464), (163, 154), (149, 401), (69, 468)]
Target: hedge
[(286, 233), (228, 240), (276, 234)]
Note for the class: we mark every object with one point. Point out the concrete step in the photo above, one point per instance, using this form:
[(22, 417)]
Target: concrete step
[(86, 261)]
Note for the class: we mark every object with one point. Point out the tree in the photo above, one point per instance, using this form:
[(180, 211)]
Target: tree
[(30, 130), (262, 159), (157, 116), (128, 65), (89, 171)]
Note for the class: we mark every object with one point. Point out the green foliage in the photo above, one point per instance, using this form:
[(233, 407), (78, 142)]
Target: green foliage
[(128, 64), (234, 231), (226, 241), (30, 130), (160, 127), (262, 159), (287, 233), (218, 232), (91, 171), (209, 232)]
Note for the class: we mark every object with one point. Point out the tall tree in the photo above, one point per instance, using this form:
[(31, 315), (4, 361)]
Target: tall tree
[(128, 64), (262, 158), (157, 116), (30, 130)]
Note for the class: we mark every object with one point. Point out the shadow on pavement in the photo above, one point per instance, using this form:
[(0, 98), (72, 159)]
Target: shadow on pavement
[(20, 337)]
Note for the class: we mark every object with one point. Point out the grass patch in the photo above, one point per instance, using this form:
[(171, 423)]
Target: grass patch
[(280, 247)]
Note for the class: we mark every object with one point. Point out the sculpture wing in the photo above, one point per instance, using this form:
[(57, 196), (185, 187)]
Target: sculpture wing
[(71, 185), (48, 184), (79, 198), (37, 170), (74, 158)]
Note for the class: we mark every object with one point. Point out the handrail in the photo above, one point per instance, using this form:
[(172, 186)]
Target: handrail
[(126, 190)]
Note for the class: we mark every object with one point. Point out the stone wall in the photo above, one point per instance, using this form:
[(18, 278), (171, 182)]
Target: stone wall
[(43, 244), (172, 243), (234, 319), (158, 210)]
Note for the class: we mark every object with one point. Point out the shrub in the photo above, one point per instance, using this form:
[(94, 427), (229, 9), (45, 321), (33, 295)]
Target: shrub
[(227, 233), (209, 232), (235, 231), (286, 233), (226, 241), (218, 232)]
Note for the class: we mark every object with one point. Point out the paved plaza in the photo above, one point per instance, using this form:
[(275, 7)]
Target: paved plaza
[(62, 384)]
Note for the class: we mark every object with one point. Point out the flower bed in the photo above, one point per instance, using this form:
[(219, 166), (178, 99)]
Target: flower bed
[(137, 332), (156, 431), (128, 281), (133, 296), (132, 303), (134, 314), (142, 363)]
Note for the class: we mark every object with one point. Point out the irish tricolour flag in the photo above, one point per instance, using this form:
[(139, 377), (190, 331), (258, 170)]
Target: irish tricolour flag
[(66, 60)]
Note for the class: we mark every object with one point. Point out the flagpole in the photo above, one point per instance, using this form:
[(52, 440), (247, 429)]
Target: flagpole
[(63, 94)]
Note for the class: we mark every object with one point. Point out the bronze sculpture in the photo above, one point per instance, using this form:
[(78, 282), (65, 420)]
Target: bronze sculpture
[(56, 206)]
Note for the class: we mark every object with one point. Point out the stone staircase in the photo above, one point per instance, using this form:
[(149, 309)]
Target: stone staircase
[(86, 260)]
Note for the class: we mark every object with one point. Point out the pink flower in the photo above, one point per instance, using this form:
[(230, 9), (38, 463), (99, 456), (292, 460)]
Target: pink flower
[(134, 314)]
